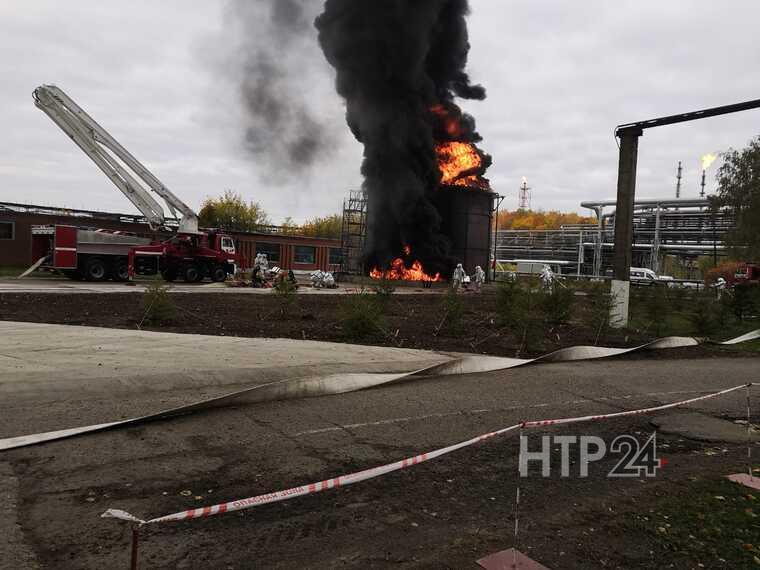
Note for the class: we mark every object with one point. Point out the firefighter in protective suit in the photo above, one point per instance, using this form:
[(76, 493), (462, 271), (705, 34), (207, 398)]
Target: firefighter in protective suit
[(458, 277), (479, 278)]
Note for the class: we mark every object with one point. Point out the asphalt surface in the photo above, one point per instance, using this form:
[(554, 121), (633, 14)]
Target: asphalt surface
[(60, 489)]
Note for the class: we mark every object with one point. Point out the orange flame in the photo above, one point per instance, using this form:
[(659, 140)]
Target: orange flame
[(457, 158), (399, 272)]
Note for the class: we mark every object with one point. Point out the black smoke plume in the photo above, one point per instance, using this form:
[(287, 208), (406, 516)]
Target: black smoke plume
[(282, 130), (400, 64)]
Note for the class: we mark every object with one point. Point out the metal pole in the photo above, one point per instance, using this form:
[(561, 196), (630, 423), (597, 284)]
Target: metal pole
[(749, 432), (498, 199), (135, 543), (517, 498), (655, 260), (715, 243), (626, 193)]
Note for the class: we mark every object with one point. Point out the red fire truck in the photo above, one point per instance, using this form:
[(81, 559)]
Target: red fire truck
[(96, 255), (748, 274)]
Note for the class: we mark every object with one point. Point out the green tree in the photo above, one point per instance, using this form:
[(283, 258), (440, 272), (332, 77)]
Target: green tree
[(231, 212), (739, 191)]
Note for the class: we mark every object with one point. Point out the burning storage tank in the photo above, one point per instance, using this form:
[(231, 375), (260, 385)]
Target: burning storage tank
[(399, 67), (466, 220)]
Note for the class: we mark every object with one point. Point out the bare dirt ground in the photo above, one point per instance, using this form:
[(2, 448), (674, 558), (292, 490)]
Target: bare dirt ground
[(410, 321)]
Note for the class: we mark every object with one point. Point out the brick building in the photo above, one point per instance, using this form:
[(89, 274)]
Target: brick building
[(288, 250)]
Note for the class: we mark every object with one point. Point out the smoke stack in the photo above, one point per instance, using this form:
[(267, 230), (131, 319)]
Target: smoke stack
[(678, 181), (399, 65), (702, 192)]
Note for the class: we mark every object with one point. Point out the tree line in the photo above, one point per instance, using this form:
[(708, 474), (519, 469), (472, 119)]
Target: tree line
[(231, 212)]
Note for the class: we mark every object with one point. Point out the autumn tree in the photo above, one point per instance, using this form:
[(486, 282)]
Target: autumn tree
[(539, 220), (325, 227), (739, 191), (231, 212), (288, 226)]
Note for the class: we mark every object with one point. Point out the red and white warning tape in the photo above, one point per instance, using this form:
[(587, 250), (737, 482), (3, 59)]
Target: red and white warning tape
[(359, 476)]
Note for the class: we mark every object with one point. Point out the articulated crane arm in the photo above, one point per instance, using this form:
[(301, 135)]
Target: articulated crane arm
[(96, 143)]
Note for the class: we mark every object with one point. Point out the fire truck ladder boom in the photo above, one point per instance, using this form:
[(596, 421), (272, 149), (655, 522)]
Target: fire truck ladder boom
[(96, 143)]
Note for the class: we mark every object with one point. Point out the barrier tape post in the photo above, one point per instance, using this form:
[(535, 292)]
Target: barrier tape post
[(749, 433), (135, 544), (517, 496)]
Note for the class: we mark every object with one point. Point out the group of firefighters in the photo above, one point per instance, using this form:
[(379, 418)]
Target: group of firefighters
[(262, 276), (460, 280)]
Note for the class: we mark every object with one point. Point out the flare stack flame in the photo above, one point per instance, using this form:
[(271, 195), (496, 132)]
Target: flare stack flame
[(707, 160)]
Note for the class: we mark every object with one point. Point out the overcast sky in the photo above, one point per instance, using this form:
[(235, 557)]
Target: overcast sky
[(163, 78)]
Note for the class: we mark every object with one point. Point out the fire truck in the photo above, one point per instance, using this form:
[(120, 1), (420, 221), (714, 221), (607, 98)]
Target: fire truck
[(96, 255), (748, 274)]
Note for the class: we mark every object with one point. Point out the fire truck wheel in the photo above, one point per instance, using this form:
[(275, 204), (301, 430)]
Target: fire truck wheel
[(192, 273), (219, 274), (169, 274), (95, 270), (121, 271)]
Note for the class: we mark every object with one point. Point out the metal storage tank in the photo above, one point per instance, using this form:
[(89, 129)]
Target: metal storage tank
[(467, 215)]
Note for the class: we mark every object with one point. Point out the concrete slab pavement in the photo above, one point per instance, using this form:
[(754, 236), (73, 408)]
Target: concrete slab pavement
[(44, 362)]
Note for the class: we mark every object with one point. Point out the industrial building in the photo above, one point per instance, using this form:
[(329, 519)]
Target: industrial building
[(685, 229), (283, 247)]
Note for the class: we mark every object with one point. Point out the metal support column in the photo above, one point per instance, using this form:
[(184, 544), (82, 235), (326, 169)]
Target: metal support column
[(654, 262)]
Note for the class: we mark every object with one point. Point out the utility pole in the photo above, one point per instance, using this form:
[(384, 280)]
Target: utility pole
[(620, 288), (629, 143)]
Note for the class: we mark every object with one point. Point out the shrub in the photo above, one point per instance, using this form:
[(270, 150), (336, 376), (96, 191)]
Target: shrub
[(158, 305), (744, 300), (509, 309), (657, 307), (522, 310), (557, 304), (285, 291), (361, 316), (600, 302), (384, 289), (453, 311), (704, 313)]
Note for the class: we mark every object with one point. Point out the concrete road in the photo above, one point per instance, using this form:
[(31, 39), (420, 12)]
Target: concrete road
[(57, 491), (62, 285)]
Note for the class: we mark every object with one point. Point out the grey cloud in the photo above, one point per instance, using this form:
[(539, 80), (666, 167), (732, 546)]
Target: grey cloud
[(560, 76)]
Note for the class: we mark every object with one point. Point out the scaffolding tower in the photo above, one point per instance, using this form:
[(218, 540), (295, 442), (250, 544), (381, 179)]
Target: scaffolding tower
[(354, 232)]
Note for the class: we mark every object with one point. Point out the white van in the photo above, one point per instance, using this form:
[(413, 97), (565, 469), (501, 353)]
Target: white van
[(643, 276)]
